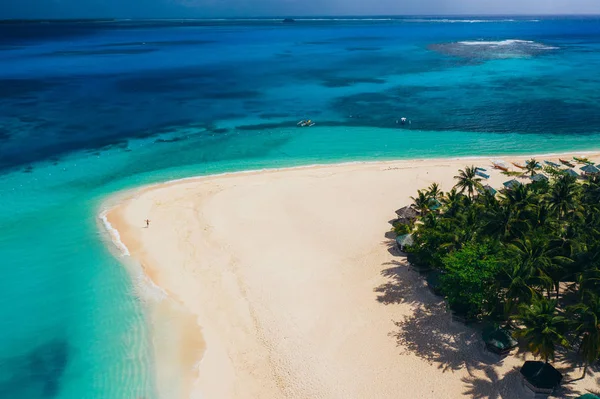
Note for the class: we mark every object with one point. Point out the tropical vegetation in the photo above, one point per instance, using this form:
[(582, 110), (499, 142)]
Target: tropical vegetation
[(526, 258)]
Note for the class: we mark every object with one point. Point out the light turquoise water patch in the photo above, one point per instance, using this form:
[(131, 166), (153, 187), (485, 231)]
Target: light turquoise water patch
[(69, 320)]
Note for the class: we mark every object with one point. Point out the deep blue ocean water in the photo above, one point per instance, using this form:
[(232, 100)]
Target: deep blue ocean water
[(90, 108)]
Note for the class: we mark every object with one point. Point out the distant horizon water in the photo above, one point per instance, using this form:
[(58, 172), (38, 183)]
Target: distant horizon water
[(90, 109)]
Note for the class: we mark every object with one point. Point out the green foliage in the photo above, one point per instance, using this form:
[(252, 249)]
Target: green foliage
[(469, 281), (501, 255), (401, 228), (543, 328), (513, 173)]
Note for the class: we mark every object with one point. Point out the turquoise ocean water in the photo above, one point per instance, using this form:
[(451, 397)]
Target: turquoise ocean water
[(91, 108)]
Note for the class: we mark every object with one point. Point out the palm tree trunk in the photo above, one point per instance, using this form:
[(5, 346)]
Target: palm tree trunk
[(584, 371)]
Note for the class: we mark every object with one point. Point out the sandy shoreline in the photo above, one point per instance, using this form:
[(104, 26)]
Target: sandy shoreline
[(283, 284)]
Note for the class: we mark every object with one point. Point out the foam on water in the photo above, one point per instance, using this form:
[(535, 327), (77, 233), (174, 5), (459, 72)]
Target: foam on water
[(114, 234)]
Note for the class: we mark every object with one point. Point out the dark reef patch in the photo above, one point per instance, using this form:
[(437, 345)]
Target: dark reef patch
[(349, 81), (37, 374)]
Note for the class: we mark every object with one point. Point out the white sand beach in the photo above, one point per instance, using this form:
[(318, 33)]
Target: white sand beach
[(291, 288)]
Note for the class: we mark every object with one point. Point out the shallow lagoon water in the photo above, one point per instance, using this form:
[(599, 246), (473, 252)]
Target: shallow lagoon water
[(89, 109)]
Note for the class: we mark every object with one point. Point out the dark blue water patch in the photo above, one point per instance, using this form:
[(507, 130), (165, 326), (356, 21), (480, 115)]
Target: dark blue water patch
[(79, 53), (363, 48), (37, 374), (19, 88), (191, 42)]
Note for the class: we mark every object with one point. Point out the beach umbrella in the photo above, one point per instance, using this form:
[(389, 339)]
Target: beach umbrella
[(541, 377), (498, 340), (404, 240)]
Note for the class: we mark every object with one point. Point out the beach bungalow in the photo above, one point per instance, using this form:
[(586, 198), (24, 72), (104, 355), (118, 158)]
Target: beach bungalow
[(509, 185), (406, 215), (571, 173), (498, 340), (403, 241), (539, 178), (540, 377), (589, 170)]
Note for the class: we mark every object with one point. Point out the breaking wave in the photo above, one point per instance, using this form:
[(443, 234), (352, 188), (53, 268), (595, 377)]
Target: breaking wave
[(499, 49)]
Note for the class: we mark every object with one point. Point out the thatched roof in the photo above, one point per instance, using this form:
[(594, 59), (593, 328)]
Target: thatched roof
[(571, 172), (539, 177), (541, 375), (511, 184), (590, 169), (489, 189), (407, 212)]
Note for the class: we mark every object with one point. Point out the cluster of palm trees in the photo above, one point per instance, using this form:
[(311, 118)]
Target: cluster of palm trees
[(540, 241)]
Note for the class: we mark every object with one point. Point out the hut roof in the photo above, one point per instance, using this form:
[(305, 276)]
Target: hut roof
[(541, 375), (539, 177), (588, 396), (590, 169), (512, 184), (499, 338), (407, 212), (405, 240), (487, 188), (571, 172)]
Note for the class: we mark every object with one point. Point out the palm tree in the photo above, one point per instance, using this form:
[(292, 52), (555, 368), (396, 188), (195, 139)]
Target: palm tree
[(517, 282), (434, 192), (531, 166), (542, 327), (468, 180), (587, 326), (452, 202), (422, 202), (563, 197)]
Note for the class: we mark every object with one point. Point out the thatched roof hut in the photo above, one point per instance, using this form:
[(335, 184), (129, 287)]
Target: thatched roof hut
[(407, 214), (539, 177), (541, 377), (509, 185), (590, 170), (572, 173)]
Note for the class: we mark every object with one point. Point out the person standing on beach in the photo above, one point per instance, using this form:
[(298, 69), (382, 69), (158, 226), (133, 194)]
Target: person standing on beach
[(147, 223)]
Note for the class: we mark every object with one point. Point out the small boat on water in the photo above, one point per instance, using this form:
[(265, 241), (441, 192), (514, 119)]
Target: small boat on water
[(519, 165), (566, 163), (305, 123)]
